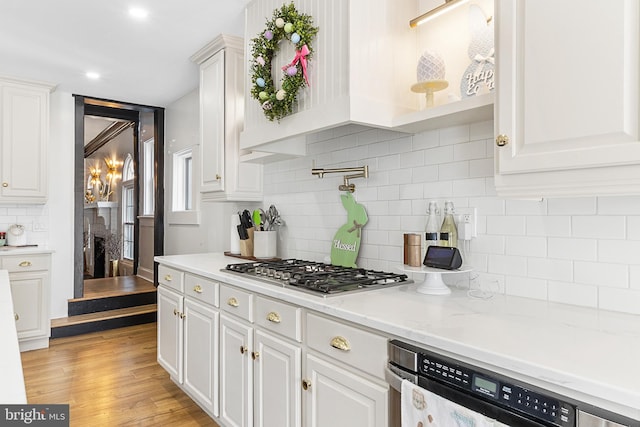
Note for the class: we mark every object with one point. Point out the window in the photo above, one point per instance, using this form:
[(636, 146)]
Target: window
[(183, 205), (128, 215), (147, 177), (128, 172)]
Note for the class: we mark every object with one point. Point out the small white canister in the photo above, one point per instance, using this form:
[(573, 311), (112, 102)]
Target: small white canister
[(16, 235)]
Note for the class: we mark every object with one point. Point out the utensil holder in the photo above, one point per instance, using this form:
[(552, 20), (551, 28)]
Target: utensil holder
[(265, 244), (246, 245)]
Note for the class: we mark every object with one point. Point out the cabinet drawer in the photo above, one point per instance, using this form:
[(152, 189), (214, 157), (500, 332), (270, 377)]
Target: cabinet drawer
[(171, 277), (205, 290), (359, 348), (236, 302), (279, 317), (20, 263)]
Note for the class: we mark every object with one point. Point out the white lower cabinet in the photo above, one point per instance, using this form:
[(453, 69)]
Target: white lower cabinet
[(336, 397), (277, 378), (188, 339), (236, 373), (29, 277), (274, 364), (344, 375)]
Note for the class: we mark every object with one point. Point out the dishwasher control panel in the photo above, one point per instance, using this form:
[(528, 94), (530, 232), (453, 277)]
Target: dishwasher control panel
[(507, 393)]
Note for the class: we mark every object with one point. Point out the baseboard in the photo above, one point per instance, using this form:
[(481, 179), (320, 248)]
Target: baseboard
[(33, 344), (145, 274)]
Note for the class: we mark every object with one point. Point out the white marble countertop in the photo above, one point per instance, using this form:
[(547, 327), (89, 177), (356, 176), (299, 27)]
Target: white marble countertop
[(585, 354), (23, 250), (12, 390)]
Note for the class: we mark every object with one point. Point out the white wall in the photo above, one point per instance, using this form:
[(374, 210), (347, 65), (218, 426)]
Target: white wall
[(581, 251), (211, 234)]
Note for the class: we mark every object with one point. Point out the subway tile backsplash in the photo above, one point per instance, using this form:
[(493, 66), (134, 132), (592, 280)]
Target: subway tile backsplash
[(583, 251)]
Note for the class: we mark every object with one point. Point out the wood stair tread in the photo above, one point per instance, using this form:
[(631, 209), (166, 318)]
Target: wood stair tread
[(103, 315)]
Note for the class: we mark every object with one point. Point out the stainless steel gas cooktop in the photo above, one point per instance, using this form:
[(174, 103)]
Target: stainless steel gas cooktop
[(316, 277)]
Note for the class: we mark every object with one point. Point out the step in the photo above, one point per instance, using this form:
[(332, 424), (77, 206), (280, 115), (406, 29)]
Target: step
[(80, 306), (102, 321)]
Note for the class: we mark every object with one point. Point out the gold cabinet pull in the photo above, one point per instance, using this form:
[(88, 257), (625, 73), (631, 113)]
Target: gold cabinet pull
[(255, 355), (167, 277), (197, 289), (502, 140), (175, 312), (233, 302), (340, 343), (5, 184), (273, 317), (306, 384), (25, 264), (182, 315), (16, 316), (243, 349), (218, 177)]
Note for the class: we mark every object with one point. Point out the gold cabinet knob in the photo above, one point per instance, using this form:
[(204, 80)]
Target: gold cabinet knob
[(167, 277), (175, 312), (218, 177), (255, 355), (340, 343), (243, 349), (182, 315), (25, 264), (306, 384), (197, 289), (16, 316), (233, 302), (273, 317), (5, 184), (502, 140)]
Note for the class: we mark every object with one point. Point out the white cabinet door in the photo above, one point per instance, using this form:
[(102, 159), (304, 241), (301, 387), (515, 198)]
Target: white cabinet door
[(170, 332), (212, 123), (24, 137), (277, 379), (337, 397), (236, 373), (223, 176), (201, 354), (28, 291), (567, 97)]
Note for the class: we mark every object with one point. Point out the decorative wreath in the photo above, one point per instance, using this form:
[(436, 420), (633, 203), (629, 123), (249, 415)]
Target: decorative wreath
[(287, 23)]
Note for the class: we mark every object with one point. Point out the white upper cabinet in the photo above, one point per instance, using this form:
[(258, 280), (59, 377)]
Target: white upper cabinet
[(24, 137), (567, 104), (358, 73), (223, 177)]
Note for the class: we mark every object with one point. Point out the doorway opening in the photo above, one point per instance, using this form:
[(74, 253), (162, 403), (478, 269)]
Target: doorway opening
[(119, 196)]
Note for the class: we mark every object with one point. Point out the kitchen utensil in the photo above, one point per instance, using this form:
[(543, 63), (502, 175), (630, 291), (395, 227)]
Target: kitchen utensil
[(16, 235), (257, 221)]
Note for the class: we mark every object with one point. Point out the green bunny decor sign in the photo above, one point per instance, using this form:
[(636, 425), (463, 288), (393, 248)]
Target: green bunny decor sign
[(346, 242)]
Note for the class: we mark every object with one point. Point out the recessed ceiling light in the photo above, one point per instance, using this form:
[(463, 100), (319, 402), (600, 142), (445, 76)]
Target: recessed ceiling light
[(138, 13), (92, 75)]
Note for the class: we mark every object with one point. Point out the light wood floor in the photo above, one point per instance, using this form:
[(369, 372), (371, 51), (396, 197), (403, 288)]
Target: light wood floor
[(109, 378), (114, 286)]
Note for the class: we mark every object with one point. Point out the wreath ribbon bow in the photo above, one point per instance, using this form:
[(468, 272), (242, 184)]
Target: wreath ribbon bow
[(300, 57)]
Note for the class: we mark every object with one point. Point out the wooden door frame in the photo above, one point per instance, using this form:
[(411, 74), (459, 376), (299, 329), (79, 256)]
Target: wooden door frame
[(125, 111)]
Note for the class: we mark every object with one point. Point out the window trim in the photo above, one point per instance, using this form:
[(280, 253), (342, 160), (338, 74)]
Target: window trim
[(177, 214)]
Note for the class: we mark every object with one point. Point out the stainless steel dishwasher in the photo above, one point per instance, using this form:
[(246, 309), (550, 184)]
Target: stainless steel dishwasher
[(501, 400)]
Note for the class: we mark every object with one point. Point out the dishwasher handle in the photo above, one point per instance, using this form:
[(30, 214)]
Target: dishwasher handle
[(394, 376)]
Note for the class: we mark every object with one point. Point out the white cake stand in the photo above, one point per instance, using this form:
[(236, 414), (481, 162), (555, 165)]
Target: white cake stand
[(433, 283)]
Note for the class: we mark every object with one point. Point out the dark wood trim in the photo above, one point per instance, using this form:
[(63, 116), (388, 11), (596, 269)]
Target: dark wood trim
[(158, 229), (78, 198), (122, 111)]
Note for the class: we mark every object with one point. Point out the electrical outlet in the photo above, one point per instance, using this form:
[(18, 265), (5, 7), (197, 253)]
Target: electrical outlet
[(469, 216)]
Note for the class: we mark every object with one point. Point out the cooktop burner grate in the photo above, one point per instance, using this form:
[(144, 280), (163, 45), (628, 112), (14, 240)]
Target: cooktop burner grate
[(317, 277)]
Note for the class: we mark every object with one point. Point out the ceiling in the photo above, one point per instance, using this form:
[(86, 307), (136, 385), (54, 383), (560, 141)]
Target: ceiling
[(140, 61)]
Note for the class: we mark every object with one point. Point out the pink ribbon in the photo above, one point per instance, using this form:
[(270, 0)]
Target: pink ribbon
[(300, 57)]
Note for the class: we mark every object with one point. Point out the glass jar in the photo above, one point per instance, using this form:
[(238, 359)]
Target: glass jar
[(448, 230)]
